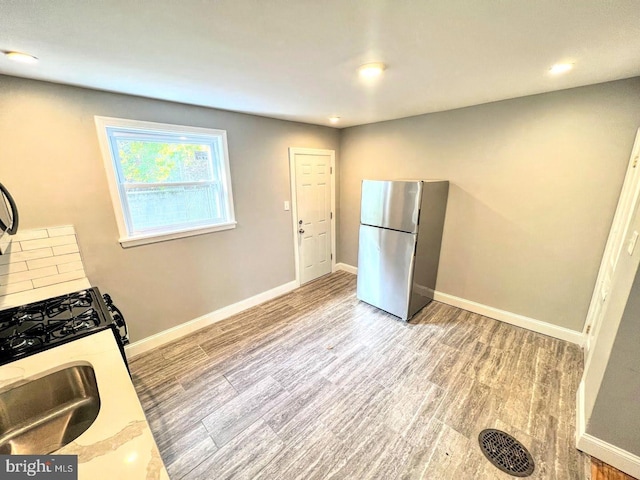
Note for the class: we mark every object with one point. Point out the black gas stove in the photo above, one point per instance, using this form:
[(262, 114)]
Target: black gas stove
[(38, 326)]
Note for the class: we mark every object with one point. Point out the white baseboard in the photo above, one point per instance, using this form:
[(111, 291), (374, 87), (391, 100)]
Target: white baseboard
[(581, 422), (347, 268), (179, 331), (608, 453), (545, 328)]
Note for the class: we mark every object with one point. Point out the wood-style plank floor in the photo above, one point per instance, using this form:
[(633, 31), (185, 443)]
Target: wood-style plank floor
[(602, 471), (316, 385)]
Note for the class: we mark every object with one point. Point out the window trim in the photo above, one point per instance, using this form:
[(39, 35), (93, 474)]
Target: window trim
[(127, 240)]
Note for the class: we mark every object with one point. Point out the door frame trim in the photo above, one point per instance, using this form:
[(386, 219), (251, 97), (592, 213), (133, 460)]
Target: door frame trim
[(293, 151)]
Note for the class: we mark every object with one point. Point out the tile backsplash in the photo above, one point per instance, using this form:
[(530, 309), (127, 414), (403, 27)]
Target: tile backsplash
[(39, 264)]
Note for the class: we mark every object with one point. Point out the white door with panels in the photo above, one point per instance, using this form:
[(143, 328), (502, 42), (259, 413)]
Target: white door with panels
[(312, 179), (622, 241), (618, 270)]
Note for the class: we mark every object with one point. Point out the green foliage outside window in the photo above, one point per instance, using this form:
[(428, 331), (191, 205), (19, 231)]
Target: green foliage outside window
[(162, 162)]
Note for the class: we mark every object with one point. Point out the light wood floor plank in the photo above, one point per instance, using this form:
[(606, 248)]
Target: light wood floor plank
[(317, 385), (243, 410), (602, 471), (243, 457)]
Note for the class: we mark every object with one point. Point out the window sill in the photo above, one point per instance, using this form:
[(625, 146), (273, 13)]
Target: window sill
[(128, 242)]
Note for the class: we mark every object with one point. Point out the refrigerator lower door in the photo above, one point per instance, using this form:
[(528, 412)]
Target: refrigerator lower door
[(385, 269)]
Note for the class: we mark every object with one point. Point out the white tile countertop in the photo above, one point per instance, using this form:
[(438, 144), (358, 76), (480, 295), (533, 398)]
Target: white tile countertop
[(119, 444)]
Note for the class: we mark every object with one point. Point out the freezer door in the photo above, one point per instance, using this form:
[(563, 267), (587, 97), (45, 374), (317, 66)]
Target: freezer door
[(385, 269), (391, 204)]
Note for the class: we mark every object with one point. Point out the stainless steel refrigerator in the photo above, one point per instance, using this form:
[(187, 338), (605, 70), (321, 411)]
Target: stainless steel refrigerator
[(401, 225)]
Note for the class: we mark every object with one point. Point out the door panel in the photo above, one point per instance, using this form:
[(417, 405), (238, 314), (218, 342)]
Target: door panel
[(385, 266), (313, 200), (323, 248), (323, 214), (308, 251)]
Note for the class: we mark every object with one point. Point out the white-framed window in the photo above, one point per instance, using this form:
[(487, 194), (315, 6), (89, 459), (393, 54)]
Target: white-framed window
[(166, 181)]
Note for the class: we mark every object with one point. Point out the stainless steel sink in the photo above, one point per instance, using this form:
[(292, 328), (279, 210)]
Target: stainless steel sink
[(43, 415)]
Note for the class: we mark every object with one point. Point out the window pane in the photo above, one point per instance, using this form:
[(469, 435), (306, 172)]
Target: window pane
[(166, 179), (146, 161), (161, 207)]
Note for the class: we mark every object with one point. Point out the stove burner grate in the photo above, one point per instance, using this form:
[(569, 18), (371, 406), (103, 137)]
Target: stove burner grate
[(20, 343), (46, 323)]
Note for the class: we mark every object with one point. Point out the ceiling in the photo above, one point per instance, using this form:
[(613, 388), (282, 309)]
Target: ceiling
[(298, 59)]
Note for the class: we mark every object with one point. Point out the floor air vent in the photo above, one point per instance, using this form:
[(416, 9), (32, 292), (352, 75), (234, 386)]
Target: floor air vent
[(506, 453)]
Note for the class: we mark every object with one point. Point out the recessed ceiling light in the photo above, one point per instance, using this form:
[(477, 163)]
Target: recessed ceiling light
[(559, 68), (334, 119), (372, 69), (21, 57)]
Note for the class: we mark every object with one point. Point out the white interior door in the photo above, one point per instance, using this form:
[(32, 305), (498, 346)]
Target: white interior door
[(313, 171), (597, 363), (618, 243)]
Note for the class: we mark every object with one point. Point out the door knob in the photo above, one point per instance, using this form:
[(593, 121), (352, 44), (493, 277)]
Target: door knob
[(301, 231), (299, 222)]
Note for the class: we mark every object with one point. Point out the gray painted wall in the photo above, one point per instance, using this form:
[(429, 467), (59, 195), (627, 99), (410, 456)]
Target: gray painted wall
[(51, 161), (535, 182), (534, 186), (616, 413)]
